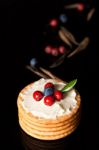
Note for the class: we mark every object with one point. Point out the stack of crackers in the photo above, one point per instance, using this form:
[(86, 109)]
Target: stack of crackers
[(48, 129)]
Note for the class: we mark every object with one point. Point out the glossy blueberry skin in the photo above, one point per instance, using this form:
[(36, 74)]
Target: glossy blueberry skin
[(33, 62), (48, 91)]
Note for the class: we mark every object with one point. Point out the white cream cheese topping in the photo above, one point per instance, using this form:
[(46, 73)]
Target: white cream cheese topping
[(39, 109)]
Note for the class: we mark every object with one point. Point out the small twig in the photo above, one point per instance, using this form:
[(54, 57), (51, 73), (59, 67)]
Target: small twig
[(60, 60), (37, 72), (71, 6), (64, 38), (90, 14), (81, 47), (69, 35), (47, 72)]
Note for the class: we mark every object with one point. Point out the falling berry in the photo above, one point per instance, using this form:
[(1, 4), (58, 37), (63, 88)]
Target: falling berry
[(33, 62), (61, 49), (49, 100), (53, 22), (80, 7), (55, 52), (38, 95), (58, 95), (63, 18), (48, 49)]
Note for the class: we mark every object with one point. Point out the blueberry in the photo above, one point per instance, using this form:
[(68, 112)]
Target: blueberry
[(48, 91), (33, 62), (63, 18)]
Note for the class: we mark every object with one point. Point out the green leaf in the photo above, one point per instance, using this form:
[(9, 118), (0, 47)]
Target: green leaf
[(69, 86)]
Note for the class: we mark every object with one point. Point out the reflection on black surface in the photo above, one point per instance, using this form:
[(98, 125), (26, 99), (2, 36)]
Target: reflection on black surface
[(31, 143)]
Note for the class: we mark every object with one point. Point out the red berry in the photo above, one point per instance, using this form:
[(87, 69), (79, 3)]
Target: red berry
[(55, 52), (58, 95), (54, 22), (49, 85), (62, 49), (48, 49), (80, 7), (49, 100), (38, 95)]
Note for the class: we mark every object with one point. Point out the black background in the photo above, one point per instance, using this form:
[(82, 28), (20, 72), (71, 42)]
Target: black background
[(22, 24)]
